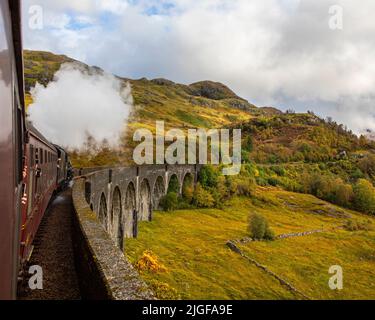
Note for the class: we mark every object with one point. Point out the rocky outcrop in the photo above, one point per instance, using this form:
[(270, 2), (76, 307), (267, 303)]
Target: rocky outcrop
[(212, 90)]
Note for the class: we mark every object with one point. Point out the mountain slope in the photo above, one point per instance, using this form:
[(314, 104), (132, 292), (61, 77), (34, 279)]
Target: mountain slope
[(284, 155), (205, 104), (270, 136)]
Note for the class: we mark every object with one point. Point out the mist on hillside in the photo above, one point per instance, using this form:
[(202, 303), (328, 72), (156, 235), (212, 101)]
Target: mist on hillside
[(81, 103)]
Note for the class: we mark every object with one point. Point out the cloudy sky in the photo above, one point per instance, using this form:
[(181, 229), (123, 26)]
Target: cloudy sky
[(286, 53)]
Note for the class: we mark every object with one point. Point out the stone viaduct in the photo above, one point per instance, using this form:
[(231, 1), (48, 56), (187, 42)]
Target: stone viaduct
[(120, 197)]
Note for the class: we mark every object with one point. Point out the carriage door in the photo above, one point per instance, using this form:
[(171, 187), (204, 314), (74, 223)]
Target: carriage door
[(36, 173), (31, 179)]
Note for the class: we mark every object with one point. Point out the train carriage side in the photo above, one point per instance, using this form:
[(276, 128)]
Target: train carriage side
[(41, 157), (62, 167), (12, 130)]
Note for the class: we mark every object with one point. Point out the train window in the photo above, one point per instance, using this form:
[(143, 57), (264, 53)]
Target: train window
[(31, 155), (45, 156), (36, 152), (41, 156)]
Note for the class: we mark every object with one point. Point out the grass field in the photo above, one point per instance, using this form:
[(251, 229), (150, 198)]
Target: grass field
[(191, 244)]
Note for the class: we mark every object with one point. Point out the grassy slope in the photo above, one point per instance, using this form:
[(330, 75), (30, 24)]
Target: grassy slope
[(277, 137), (191, 244), (178, 105), (175, 104), (40, 66)]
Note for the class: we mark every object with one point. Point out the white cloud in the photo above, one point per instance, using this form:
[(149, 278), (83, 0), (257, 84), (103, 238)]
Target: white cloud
[(280, 53), (113, 6)]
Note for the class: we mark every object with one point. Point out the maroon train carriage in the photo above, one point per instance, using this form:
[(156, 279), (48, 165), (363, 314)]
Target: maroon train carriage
[(11, 144), (40, 180), (64, 168), (31, 168)]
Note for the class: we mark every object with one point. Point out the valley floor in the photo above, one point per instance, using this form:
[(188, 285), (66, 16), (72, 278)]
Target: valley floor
[(191, 244)]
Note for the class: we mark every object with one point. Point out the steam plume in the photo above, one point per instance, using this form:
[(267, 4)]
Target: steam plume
[(81, 102)]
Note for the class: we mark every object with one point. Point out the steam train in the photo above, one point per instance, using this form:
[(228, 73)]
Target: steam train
[(32, 169)]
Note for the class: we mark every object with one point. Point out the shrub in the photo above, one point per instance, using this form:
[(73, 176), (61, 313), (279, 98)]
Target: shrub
[(173, 185), (245, 156), (273, 181), (231, 185), (364, 196), (169, 202), (150, 262), (269, 234), (261, 181), (208, 176), (245, 187), (163, 291), (344, 195), (188, 189), (352, 225), (223, 188), (250, 169), (202, 198), (357, 174), (248, 144), (259, 229), (188, 193), (218, 201), (367, 165), (280, 171)]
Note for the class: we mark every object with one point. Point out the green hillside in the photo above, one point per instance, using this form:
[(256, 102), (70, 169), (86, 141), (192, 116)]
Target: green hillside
[(41, 66), (300, 172), (191, 246), (276, 137), (299, 152), (205, 104)]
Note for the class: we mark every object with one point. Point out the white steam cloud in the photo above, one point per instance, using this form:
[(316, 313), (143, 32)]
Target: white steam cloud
[(81, 102)]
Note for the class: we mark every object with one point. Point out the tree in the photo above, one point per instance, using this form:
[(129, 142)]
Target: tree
[(202, 198), (344, 195), (169, 202), (173, 185), (208, 177), (363, 141), (364, 196), (367, 165), (248, 144), (258, 227)]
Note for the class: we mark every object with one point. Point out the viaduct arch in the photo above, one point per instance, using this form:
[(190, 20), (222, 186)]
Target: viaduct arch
[(121, 197)]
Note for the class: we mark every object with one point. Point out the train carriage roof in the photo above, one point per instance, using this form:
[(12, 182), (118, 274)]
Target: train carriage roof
[(60, 148), (37, 134)]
